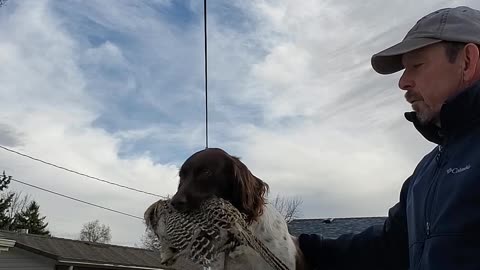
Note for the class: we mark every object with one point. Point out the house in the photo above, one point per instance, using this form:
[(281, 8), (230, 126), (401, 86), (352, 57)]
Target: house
[(332, 228), (28, 251)]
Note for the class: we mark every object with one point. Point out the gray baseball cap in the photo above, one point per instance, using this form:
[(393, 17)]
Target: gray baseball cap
[(460, 24)]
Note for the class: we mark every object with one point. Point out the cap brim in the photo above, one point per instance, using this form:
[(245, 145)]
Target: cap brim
[(389, 60)]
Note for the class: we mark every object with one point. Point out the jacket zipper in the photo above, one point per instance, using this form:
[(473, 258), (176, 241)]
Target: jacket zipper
[(432, 191)]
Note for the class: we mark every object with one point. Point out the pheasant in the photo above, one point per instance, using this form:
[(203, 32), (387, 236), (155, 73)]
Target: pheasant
[(201, 235)]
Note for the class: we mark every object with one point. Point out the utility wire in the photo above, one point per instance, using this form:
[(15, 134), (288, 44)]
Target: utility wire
[(206, 72), (75, 199), (79, 173)]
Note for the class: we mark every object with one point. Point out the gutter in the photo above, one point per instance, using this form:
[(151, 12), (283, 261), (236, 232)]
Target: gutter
[(108, 265), (5, 244)]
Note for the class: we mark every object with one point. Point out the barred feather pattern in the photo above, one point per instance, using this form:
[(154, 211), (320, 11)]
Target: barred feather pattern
[(216, 227)]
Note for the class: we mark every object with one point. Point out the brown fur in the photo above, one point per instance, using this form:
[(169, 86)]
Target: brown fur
[(213, 172)]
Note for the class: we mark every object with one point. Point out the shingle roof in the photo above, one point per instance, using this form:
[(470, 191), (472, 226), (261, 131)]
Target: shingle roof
[(61, 249), (332, 228)]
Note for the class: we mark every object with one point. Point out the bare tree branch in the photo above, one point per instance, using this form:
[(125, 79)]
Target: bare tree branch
[(288, 207), (150, 241), (94, 232), (18, 203)]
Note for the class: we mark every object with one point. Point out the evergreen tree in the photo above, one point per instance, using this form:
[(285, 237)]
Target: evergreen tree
[(30, 219), (5, 219)]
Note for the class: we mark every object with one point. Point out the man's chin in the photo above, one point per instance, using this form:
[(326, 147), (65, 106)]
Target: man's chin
[(426, 118)]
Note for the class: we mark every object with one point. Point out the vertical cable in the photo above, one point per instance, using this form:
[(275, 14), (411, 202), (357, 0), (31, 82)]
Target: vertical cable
[(206, 73)]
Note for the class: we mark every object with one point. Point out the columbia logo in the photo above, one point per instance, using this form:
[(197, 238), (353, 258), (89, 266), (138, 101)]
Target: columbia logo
[(458, 170)]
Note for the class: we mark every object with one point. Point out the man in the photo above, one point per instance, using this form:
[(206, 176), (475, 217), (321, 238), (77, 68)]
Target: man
[(436, 223)]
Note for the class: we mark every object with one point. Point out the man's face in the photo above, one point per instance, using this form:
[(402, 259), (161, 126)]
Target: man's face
[(430, 79)]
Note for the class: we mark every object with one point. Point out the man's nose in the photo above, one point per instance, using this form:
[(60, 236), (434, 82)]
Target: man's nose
[(406, 82)]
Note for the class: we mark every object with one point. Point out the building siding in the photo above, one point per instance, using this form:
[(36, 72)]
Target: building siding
[(18, 259)]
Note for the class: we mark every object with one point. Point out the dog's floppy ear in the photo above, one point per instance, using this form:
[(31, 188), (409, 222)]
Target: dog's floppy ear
[(249, 191)]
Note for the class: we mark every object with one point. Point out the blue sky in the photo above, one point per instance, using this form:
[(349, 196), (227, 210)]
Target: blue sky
[(115, 89)]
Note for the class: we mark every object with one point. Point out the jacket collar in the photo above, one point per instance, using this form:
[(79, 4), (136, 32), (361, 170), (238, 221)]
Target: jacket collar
[(457, 113)]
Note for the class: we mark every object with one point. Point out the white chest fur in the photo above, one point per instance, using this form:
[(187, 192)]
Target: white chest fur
[(272, 230)]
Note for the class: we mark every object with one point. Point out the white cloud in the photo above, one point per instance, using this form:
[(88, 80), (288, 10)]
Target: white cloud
[(107, 54), (291, 92), (46, 101), (331, 125)]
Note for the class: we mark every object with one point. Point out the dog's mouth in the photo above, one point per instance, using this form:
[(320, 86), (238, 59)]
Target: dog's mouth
[(185, 207), (191, 202)]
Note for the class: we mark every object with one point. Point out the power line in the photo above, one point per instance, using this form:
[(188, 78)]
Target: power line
[(75, 199), (206, 73), (79, 173)]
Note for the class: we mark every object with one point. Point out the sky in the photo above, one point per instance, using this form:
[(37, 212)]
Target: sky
[(115, 89)]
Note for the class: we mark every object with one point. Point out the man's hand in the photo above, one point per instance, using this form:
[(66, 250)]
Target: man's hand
[(311, 247)]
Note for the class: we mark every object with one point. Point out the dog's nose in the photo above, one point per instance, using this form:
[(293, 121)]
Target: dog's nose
[(179, 203)]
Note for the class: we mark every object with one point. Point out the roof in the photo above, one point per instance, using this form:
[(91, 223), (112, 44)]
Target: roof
[(84, 253), (332, 228)]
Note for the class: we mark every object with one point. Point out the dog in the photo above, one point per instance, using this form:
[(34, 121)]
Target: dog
[(212, 172)]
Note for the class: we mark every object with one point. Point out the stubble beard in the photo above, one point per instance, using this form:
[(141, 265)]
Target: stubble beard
[(425, 114)]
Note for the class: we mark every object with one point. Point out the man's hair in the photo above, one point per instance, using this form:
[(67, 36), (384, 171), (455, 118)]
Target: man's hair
[(452, 49)]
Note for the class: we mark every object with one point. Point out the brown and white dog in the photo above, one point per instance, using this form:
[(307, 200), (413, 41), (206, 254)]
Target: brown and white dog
[(213, 172)]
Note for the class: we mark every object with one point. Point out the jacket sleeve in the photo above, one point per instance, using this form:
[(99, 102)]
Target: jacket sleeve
[(378, 247)]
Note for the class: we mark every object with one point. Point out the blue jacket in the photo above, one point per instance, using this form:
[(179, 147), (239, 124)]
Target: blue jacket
[(436, 223)]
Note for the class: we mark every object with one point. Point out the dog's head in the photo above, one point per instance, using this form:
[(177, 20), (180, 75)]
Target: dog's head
[(214, 173)]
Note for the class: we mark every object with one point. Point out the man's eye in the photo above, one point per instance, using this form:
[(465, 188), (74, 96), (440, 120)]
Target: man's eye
[(417, 65)]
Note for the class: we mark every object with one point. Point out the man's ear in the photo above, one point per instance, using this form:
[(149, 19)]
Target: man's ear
[(471, 60)]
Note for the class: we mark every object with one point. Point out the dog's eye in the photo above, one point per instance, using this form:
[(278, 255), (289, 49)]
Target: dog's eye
[(206, 172)]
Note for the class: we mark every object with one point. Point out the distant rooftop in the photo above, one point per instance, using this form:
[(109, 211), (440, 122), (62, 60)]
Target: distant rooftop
[(81, 252), (332, 228)]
